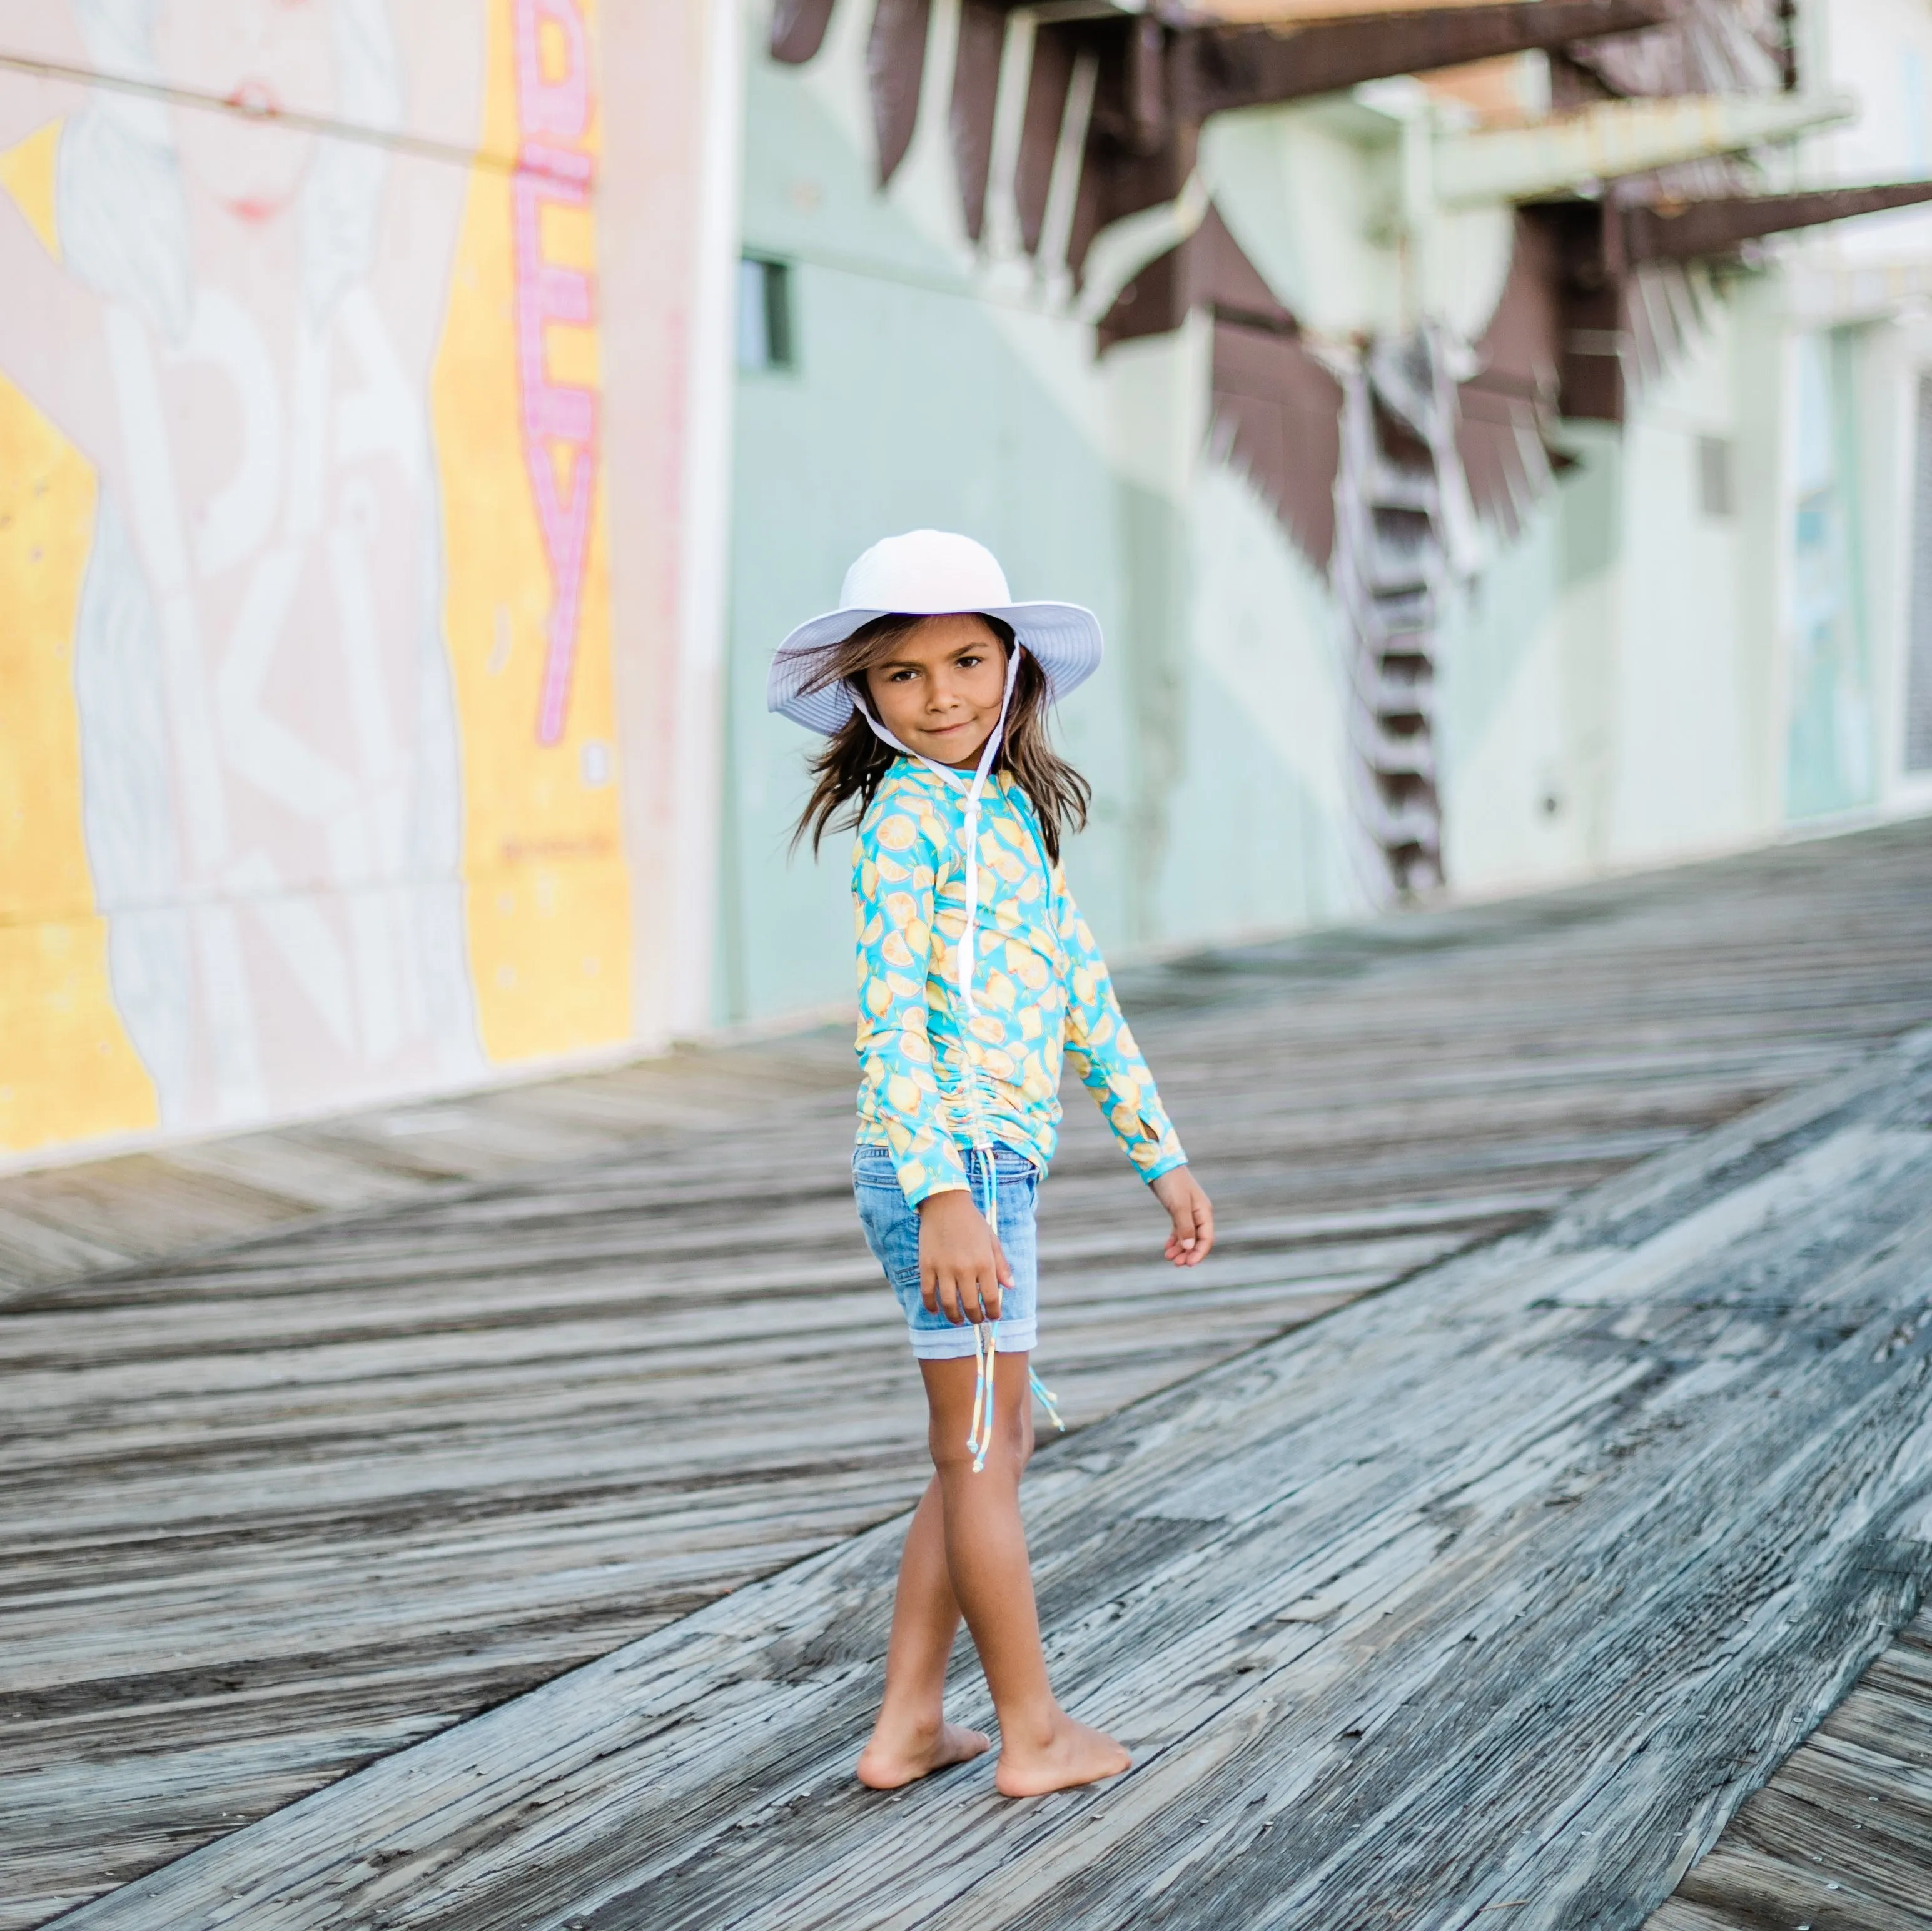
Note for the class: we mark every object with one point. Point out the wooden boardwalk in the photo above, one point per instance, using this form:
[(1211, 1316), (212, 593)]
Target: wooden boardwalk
[(277, 1511), (1496, 1592), (1840, 1839)]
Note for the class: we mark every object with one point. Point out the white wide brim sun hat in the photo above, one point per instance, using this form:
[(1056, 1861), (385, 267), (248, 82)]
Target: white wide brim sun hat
[(926, 573)]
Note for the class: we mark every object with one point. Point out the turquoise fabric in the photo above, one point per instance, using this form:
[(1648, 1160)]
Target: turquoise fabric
[(934, 1079)]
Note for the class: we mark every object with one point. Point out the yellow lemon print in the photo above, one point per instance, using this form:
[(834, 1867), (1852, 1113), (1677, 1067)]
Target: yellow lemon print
[(898, 833)]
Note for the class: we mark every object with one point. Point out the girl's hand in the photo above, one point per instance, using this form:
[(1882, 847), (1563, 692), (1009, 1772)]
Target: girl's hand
[(1193, 1213), (962, 1266)]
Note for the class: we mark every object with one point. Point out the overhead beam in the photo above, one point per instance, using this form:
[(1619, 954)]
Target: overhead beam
[(1680, 231), (1614, 138), (1218, 68)]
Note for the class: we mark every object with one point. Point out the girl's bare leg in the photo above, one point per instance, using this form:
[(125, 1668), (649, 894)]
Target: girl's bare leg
[(1041, 1747), (912, 1737)]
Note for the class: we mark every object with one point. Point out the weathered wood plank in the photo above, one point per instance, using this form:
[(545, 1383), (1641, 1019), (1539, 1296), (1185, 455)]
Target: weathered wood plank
[(1841, 1836), (1766, 1890)]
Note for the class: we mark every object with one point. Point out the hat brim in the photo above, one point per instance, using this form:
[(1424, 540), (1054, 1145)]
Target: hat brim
[(1065, 638)]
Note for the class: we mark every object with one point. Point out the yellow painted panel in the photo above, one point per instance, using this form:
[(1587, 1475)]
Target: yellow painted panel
[(570, 356), (548, 892), (67, 1069), (569, 236), (27, 173)]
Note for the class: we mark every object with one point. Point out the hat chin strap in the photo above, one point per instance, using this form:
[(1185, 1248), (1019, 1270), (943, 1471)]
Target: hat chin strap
[(969, 939)]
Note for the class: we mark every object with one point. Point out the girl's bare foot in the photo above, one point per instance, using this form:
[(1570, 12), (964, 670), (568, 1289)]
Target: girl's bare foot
[(886, 1762), (1073, 1753)]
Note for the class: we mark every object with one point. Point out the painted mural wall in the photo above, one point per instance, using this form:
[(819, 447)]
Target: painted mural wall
[(310, 776)]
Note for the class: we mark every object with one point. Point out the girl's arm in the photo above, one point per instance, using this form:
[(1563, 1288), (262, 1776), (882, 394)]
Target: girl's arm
[(892, 876), (1102, 1050), (1103, 1053)]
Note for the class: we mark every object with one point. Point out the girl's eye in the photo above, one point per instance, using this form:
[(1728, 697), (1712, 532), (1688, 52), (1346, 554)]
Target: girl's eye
[(969, 662)]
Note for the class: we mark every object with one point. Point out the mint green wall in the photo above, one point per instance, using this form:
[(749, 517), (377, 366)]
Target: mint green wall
[(908, 407), (1212, 736)]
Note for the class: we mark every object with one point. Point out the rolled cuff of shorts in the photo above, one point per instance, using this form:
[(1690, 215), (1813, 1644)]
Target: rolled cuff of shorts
[(955, 1343)]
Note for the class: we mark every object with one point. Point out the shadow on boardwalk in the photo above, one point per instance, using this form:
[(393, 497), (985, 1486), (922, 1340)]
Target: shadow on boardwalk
[(1501, 1589)]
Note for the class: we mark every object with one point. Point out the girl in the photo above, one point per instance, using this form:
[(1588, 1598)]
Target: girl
[(976, 972)]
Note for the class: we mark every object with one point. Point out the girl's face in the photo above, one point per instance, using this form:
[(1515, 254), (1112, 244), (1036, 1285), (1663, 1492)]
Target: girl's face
[(939, 693)]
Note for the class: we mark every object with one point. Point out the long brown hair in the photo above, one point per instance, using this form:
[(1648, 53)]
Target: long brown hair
[(855, 758)]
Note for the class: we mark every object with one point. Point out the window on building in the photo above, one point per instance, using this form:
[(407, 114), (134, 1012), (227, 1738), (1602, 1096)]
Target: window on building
[(765, 339), (1918, 642), (1830, 747), (1714, 494)]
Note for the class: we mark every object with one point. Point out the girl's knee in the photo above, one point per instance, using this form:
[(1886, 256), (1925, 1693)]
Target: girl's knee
[(1011, 1446)]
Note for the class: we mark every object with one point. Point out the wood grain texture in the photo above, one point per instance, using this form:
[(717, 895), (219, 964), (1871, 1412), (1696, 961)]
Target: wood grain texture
[(1841, 1836), (610, 1347), (1497, 1592)]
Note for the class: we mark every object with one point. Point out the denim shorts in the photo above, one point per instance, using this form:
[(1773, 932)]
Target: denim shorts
[(892, 1232)]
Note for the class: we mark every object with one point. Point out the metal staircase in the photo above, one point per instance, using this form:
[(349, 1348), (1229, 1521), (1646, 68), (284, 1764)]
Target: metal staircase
[(1403, 527)]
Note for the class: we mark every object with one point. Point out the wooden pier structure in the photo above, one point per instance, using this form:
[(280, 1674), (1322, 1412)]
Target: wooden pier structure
[(483, 1514)]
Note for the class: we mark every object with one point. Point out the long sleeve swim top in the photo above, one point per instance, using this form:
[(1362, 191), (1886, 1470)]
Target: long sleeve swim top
[(1041, 988)]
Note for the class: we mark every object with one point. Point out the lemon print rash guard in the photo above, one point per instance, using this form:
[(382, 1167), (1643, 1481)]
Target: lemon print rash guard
[(934, 1079)]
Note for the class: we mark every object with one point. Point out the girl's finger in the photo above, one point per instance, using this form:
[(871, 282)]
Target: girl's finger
[(1006, 1272)]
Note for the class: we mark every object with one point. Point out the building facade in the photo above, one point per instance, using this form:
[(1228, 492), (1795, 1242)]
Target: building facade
[(1686, 628), (417, 424)]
